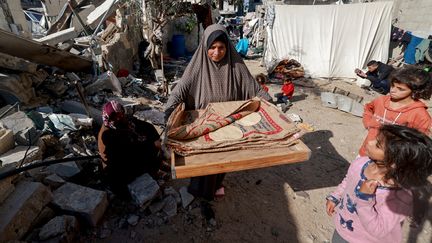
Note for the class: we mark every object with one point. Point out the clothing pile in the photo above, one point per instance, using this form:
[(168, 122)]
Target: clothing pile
[(227, 126), (416, 48), (288, 68)]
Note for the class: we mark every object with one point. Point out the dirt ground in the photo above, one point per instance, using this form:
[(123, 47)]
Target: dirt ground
[(276, 204)]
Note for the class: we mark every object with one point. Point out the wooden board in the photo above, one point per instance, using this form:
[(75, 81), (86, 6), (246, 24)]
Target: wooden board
[(221, 162), (40, 53)]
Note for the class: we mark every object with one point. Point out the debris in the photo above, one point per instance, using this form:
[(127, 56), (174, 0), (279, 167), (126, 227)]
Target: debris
[(106, 80), (154, 116), (172, 192), (89, 203), (16, 155), (170, 207), (20, 209), (58, 37), (71, 106), (59, 226), (341, 102), (6, 185), (62, 122), (294, 117), (186, 197), (7, 141), (22, 127), (133, 219), (64, 170), (104, 233), (143, 189), (16, 63), (42, 54), (54, 181), (157, 206)]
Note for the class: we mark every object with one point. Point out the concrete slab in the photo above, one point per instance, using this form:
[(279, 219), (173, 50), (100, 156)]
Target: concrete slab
[(90, 204), (21, 208)]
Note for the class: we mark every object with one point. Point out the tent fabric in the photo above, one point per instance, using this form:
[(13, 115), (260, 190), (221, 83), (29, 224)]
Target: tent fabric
[(329, 40)]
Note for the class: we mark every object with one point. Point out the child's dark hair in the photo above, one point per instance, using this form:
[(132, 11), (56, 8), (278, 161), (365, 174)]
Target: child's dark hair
[(261, 78), (418, 80), (407, 155)]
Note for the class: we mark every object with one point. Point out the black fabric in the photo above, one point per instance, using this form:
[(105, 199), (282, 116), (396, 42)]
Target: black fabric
[(205, 186), (217, 35), (130, 153)]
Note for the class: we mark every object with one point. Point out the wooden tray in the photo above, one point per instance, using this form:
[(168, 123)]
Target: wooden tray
[(221, 162)]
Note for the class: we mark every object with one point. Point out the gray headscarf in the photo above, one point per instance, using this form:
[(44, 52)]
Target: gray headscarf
[(205, 81)]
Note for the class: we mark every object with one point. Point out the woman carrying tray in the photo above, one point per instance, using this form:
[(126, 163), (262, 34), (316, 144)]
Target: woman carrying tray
[(216, 73)]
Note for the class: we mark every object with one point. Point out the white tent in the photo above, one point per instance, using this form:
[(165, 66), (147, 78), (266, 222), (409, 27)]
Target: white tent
[(329, 40)]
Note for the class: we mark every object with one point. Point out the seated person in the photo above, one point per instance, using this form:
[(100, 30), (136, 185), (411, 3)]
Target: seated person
[(261, 79), (378, 74), (287, 92), (128, 147)]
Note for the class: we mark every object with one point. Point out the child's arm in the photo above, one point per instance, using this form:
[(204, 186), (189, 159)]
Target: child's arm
[(369, 109), (379, 216)]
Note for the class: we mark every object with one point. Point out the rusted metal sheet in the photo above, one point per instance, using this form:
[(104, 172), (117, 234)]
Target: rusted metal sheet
[(42, 54)]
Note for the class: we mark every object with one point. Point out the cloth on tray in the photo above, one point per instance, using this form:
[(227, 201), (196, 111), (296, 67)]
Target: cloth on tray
[(264, 127)]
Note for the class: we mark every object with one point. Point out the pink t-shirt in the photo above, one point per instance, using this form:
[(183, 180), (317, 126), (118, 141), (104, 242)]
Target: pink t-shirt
[(361, 217)]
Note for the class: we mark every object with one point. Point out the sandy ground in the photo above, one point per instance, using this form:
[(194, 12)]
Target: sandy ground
[(277, 204)]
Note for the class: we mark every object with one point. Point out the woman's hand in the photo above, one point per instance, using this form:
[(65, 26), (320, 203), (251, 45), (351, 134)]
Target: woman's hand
[(330, 207), (369, 187)]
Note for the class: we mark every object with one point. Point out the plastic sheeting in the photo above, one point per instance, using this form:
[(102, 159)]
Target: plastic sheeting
[(329, 40)]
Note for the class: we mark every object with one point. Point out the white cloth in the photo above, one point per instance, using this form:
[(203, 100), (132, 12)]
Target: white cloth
[(330, 40)]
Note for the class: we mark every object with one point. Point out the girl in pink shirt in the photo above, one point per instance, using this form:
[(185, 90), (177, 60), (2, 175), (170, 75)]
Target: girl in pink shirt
[(375, 197)]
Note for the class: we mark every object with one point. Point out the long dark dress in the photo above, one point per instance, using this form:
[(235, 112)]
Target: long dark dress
[(205, 81), (128, 153)]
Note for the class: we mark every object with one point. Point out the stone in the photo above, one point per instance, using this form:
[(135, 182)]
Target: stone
[(171, 191), (22, 127), (143, 189), (106, 80), (157, 206), (16, 63), (104, 233), (6, 184), (21, 208), (60, 36), (186, 197), (60, 225), (90, 204), (170, 207), (72, 106), (65, 139), (54, 181), (7, 141), (133, 219), (44, 216), (16, 155), (64, 170), (302, 194)]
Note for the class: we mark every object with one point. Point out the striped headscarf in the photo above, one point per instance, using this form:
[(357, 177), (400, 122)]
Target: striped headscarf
[(113, 113)]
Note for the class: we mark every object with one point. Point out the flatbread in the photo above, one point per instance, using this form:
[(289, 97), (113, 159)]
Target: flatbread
[(250, 120), (226, 133)]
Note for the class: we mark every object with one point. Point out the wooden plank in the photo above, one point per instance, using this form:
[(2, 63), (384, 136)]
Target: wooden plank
[(40, 53), (221, 162)]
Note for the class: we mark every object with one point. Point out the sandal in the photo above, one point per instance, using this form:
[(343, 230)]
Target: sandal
[(220, 193)]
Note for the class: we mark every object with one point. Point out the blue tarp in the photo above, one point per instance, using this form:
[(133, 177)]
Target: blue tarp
[(242, 46), (410, 51)]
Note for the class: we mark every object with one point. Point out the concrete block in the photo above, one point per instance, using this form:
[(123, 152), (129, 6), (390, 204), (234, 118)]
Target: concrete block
[(186, 197), (7, 141), (6, 188), (16, 63), (21, 208), (90, 204), (170, 208), (64, 170), (143, 189), (57, 37), (64, 226), (22, 127), (54, 181), (15, 155)]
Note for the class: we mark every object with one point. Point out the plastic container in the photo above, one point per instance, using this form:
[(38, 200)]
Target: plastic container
[(178, 47)]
